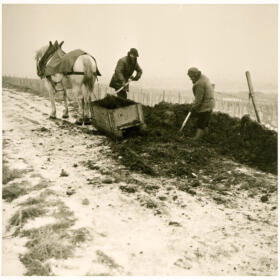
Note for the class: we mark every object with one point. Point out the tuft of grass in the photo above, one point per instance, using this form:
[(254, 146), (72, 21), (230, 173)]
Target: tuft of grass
[(13, 191), (104, 259), (10, 174), (32, 201), (50, 241), (46, 193), (80, 235), (41, 200), (63, 214), (45, 243), (41, 185), (22, 215), (35, 267), (48, 244)]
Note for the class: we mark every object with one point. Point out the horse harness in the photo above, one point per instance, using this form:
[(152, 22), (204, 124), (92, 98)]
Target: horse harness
[(41, 70), (54, 84)]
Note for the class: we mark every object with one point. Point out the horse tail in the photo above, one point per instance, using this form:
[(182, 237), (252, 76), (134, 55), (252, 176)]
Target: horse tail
[(88, 80)]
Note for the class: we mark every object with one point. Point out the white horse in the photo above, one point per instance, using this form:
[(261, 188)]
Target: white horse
[(81, 78)]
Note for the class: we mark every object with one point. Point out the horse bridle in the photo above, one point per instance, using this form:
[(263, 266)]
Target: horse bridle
[(41, 64)]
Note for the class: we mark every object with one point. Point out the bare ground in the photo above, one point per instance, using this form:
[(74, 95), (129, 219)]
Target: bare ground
[(136, 224)]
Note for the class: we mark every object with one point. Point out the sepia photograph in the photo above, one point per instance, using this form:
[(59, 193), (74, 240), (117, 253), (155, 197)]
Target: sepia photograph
[(139, 138)]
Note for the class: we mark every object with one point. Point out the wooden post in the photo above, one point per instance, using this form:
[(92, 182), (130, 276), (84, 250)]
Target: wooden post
[(251, 94), (98, 91)]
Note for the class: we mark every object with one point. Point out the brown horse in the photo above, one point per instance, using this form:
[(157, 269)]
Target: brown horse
[(76, 68)]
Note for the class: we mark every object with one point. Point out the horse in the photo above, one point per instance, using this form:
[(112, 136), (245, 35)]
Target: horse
[(77, 69)]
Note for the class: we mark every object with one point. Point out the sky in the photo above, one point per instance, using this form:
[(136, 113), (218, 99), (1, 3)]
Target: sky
[(223, 41)]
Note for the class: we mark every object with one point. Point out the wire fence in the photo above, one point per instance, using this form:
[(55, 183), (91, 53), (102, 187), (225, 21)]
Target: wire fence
[(268, 111)]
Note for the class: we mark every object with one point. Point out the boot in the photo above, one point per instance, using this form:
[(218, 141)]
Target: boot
[(199, 133), (206, 130)]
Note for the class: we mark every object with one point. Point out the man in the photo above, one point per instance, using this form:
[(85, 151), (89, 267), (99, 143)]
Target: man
[(204, 102), (124, 70)]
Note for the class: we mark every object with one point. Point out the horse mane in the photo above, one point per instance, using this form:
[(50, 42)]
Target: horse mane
[(41, 52)]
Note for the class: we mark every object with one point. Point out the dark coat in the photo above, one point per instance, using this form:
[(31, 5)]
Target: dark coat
[(123, 72), (204, 95)]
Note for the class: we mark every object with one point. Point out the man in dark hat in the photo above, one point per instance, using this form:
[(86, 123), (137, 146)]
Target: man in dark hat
[(204, 102), (124, 70)]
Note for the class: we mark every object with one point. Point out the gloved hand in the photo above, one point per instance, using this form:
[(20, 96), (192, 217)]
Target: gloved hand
[(136, 78)]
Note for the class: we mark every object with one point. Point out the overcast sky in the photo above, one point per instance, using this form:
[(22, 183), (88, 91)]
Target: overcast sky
[(222, 40)]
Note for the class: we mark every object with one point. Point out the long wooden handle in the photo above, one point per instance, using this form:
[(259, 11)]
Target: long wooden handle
[(122, 87), (185, 121), (251, 90), (249, 81)]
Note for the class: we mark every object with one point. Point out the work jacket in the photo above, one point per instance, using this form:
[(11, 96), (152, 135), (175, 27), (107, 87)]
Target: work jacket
[(204, 95), (124, 71)]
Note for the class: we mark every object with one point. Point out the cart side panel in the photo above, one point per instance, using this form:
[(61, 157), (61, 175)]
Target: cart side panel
[(126, 115), (102, 118), (140, 112)]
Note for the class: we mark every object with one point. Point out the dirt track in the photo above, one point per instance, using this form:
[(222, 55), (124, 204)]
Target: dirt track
[(163, 231)]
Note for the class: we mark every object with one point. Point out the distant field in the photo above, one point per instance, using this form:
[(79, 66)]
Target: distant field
[(235, 104)]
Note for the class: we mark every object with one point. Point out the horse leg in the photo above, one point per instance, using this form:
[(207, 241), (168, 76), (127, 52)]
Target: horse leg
[(92, 96), (86, 105), (65, 111), (51, 95), (80, 100), (88, 93)]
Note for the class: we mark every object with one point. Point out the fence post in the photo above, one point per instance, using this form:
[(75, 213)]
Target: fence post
[(251, 94)]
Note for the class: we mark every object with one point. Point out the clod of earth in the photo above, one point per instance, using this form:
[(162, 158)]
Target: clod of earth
[(63, 173), (264, 198), (128, 189), (219, 199), (43, 129), (195, 183), (150, 204), (151, 188), (85, 201), (70, 191), (107, 180), (176, 224)]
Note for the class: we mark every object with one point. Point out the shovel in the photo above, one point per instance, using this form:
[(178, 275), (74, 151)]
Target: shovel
[(185, 121), (120, 89)]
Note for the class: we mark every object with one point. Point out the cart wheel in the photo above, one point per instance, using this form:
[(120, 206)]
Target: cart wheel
[(118, 133), (143, 129)]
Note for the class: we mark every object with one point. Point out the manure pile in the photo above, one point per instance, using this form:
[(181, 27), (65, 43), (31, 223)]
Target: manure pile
[(163, 151), (113, 102)]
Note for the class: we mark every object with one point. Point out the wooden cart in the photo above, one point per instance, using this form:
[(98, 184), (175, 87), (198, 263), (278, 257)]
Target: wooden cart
[(115, 121)]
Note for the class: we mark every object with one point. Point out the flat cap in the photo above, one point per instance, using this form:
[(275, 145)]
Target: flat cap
[(134, 52), (193, 70)]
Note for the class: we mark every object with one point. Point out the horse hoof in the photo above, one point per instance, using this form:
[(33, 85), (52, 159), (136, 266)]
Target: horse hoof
[(52, 117), (87, 121), (78, 122), (65, 116)]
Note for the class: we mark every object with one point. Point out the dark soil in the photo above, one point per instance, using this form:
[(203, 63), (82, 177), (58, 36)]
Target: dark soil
[(162, 150), (113, 102)]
